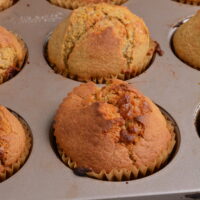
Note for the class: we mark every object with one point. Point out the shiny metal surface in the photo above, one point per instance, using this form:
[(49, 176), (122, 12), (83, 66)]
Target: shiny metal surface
[(36, 92)]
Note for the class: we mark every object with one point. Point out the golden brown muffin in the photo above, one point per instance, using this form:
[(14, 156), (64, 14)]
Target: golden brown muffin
[(73, 4), (5, 4), (191, 2), (15, 143), (12, 54), (186, 41), (99, 42), (114, 132)]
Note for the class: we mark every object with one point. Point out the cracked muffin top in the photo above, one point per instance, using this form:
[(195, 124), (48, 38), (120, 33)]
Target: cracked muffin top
[(186, 41), (12, 54), (114, 127), (100, 41), (73, 4), (5, 4), (12, 139)]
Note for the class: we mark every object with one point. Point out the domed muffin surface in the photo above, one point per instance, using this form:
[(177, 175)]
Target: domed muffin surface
[(99, 42), (15, 143), (186, 41), (12, 54), (114, 131)]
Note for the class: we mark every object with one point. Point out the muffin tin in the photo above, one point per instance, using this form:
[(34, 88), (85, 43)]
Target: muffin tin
[(36, 92)]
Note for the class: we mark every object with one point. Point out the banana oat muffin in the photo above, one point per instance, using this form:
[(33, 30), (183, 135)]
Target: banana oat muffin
[(113, 133), (5, 4), (15, 143), (99, 42), (186, 41), (12, 54), (73, 4)]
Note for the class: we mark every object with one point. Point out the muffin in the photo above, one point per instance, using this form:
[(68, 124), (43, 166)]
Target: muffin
[(191, 2), (12, 54), (73, 4), (99, 42), (186, 41), (15, 143), (112, 133), (5, 4)]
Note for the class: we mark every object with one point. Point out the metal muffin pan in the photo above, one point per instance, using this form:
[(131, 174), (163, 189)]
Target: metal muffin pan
[(36, 92)]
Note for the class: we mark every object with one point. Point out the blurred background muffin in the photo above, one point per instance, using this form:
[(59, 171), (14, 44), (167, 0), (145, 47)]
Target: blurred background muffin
[(186, 41), (99, 42), (73, 4), (12, 54), (15, 143), (191, 2), (113, 133), (5, 4)]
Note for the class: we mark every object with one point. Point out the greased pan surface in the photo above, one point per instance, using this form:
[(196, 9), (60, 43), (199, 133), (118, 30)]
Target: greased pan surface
[(36, 92)]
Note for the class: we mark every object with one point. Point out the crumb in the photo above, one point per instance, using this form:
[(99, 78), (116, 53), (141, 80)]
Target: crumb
[(28, 62), (126, 182), (28, 5)]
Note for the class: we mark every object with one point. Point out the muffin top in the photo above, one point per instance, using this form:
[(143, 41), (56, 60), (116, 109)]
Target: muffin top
[(12, 53), (73, 4), (114, 127), (100, 41), (186, 41), (12, 138)]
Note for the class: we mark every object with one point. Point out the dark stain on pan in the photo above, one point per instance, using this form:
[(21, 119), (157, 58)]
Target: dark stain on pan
[(159, 51), (81, 171)]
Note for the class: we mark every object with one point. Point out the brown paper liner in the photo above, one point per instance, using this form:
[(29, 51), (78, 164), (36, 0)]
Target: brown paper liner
[(124, 75), (73, 4), (10, 170), (6, 4), (134, 172), (190, 2)]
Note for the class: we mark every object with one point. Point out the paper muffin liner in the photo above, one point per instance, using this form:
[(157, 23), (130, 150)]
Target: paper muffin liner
[(73, 4), (191, 2), (123, 75), (10, 170), (127, 174), (6, 4)]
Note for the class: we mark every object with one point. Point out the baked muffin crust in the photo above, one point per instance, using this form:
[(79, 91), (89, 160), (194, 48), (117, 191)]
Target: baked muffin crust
[(12, 139), (12, 54), (99, 42), (186, 41), (113, 128), (5, 4)]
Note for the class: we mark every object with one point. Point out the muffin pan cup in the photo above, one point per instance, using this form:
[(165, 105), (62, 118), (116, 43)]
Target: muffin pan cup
[(36, 92)]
